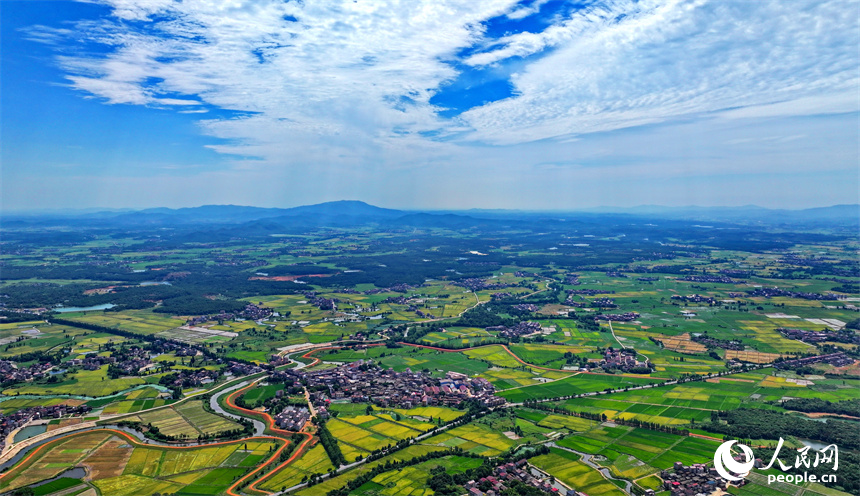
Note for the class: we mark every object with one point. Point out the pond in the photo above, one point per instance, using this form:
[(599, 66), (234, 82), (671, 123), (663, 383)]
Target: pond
[(29, 431), (816, 445), (103, 306)]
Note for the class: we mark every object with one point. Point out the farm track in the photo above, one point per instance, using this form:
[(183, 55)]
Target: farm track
[(230, 401)]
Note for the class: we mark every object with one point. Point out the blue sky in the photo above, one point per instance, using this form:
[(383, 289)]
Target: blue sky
[(543, 104)]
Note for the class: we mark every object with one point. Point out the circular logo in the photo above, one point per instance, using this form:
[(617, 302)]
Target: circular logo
[(724, 462)]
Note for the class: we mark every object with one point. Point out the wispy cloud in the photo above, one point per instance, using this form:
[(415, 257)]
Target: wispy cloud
[(624, 63), (351, 83)]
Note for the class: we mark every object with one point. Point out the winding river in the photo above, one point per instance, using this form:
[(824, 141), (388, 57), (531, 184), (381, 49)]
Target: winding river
[(259, 426)]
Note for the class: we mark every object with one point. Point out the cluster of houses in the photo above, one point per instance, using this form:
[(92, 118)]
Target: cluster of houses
[(131, 361), (250, 312), (839, 359), (397, 288), (694, 480), (572, 279), (477, 284), (364, 381), (775, 291), (494, 485), (604, 303), (588, 292), (695, 298), (292, 418), (91, 362), (718, 343), (840, 336), (322, 303), (519, 330), (709, 278), (10, 372), (239, 368), (739, 273), (526, 307), (622, 359), (806, 261), (12, 421), (179, 349), (617, 317), (399, 300), (520, 273), (192, 378), (615, 273), (804, 335), (647, 279)]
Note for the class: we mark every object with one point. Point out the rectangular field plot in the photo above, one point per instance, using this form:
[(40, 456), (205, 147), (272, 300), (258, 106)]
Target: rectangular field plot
[(203, 421), (431, 412), (206, 482)]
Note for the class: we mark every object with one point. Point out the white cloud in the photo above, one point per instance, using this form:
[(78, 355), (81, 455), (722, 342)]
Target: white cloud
[(626, 63), (350, 83)]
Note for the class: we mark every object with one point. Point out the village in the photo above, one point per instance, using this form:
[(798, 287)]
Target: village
[(364, 381), (512, 473), (693, 480)]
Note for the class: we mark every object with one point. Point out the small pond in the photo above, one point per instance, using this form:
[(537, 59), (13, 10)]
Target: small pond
[(29, 431)]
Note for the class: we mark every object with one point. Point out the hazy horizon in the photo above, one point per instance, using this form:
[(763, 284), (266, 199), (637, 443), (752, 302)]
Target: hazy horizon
[(446, 105), (595, 209)]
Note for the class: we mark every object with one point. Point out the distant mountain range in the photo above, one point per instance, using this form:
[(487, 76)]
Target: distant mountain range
[(351, 213)]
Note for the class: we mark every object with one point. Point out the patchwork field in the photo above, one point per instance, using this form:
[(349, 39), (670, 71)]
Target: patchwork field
[(412, 481), (425, 413), (679, 404), (341, 480), (314, 461), (652, 450), (186, 420), (360, 435), (567, 468)]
